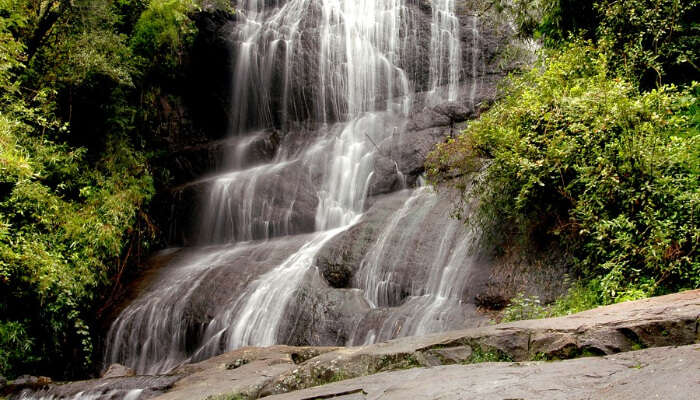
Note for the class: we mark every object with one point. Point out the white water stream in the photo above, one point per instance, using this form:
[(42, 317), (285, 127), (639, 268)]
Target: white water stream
[(356, 96)]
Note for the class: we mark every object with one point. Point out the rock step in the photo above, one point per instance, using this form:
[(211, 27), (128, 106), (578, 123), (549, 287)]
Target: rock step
[(670, 320), (669, 373), (369, 372)]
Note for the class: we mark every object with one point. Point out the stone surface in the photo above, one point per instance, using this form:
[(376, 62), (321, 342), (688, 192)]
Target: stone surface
[(670, 372), (661, 321), (285, 196), (141, 387), (213, 377), (660, 373), (118, 370)]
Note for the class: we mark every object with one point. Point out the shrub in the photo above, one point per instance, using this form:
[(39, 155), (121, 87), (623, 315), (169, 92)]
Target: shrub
[(579, 156)]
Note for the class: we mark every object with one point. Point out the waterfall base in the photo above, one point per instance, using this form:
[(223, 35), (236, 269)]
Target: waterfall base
[(620, 328)]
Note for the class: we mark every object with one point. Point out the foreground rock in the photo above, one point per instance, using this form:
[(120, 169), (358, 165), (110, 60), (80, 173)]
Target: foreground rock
[(244, 371), (663, 373), (258, 372), (661, 321)]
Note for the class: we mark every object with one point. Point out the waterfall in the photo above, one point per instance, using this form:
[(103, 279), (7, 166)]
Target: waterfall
[(445, 52), (423, 309), (337, 78)]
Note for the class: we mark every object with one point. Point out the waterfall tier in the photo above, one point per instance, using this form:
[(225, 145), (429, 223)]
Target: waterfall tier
[(312, 226)]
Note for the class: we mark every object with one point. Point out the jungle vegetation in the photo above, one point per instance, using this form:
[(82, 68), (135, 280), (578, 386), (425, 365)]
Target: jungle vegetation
[(79, 82), (595, 150)]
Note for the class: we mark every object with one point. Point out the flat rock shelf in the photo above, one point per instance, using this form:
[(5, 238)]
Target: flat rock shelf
[(638, 349)]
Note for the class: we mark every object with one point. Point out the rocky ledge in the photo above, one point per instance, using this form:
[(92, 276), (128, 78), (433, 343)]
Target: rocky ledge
[(498, 361), (660, 373)]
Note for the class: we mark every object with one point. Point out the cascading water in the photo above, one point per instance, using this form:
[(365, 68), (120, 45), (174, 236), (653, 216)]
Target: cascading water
[(437, 305), (338, 78), (445, 52)]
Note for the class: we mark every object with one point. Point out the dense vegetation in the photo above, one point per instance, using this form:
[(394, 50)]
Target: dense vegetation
[(79, 80), (595, 149)]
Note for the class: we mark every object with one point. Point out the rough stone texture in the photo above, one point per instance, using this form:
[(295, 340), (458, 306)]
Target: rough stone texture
[(214, 286), (257, 367), (117, 370), (407, 149), (663, 321), (323, 315), (660, 321), (189, 162), (663, 373), (23, 382), (105, 389), (339, 259), (532, 272)]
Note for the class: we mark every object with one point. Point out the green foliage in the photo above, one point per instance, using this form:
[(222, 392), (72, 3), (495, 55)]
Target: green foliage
[(162, 29), (552, 21), (649, 41), (79, 83), (74, 176), (580, 297), (481, 355), (524, 307), (582, 157), (15, 345), (652, 41), (63, 224)]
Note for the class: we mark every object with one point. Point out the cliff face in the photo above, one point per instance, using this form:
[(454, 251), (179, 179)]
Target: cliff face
[(296, 150)]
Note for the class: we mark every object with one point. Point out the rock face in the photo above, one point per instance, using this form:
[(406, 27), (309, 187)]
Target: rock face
[(662, 321), (664, 373), (137, 387), (117, 371), (307, 201), (606, 337)]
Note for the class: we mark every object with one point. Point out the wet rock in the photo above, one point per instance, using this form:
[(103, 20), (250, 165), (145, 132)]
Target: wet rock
[(343, 254), (209, 379), (190, 162), (31, 381), (405, 153), (489, 301), (337, 275), (266, 201), (540, 273), (23, 384), (603, 331), (141, 387), (404, 258), (117, 371), (197, 287), (322, 316)]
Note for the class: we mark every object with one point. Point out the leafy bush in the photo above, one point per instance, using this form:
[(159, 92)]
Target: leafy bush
[(651, 41), (582, 157), (162, 32), (63, 227), (77, 85), (65, 220), (580, 297)]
